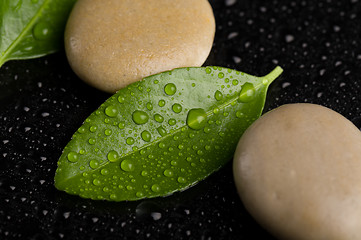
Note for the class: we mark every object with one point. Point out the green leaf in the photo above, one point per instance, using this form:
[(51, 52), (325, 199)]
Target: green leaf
[(162, 134), (32, 28)]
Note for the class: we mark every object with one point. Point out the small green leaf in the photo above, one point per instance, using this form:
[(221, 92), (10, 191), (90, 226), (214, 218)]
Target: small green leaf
[(32, 28), (162, 134)]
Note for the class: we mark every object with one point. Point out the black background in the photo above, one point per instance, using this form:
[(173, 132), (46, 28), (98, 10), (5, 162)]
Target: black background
[(42, 103)]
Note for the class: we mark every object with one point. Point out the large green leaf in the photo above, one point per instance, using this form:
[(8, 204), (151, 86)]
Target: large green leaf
[(32, 28), (162, 134)]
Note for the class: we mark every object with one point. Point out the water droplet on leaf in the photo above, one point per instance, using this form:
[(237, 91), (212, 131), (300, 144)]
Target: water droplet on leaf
[(197, 118), (162, 131), (146, 136), (161, 103), (159, 118), (168, 173), (130, 141), (155, 188), (140, 117), (73, 157), (42, 31), (113, 156), (247, 93), (170, 89), (218, 95), (93, 164), (127, 165), (177, 108), (111, 111)]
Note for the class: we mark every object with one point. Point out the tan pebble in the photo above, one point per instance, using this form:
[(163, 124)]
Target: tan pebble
[(110, 44), (298, 172)]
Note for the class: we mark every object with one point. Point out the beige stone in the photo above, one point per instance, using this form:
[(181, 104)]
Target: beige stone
[(298, 172), (112, 43)]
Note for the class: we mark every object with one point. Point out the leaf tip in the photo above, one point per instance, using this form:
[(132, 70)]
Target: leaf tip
[(275, 73)]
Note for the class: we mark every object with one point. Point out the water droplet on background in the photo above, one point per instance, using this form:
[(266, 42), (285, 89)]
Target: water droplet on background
[(148, 211)]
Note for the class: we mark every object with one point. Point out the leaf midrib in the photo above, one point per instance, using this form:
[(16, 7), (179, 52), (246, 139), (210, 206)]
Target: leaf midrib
[(3, 58), (269, 77)]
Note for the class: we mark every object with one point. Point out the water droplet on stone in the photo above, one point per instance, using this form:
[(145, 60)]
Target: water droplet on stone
[(196, 118), (170, 89), (111, 111), (140, 117)]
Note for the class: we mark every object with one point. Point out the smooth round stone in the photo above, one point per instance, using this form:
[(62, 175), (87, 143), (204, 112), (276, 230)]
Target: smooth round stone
[(298, 172), (110, 44)]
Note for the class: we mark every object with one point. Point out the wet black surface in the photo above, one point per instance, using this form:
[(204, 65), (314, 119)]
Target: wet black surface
[(42, 103)]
